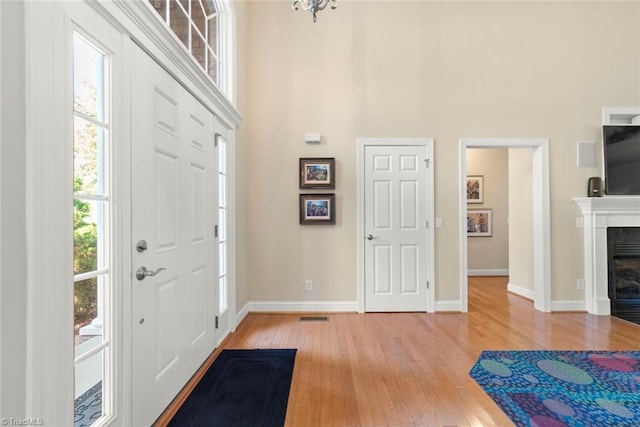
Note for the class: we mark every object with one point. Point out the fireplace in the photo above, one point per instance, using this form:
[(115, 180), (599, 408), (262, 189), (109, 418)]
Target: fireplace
[(611, 255), (623, 260)]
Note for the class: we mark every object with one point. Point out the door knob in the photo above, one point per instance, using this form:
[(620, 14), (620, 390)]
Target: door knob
[(142, 272), (370, 237)]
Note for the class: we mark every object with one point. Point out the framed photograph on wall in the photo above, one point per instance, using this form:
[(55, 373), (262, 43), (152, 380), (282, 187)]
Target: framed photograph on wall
[(318, 173), (317, 208), (479, 222), (475, 189)]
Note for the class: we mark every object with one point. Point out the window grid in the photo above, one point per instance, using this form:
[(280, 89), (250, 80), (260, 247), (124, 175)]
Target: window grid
[(92, 279), (222, 227), (196, 24)]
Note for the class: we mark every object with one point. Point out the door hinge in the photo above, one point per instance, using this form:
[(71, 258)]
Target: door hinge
[(215, 231), (216, 322), (427, 284), (426, 162), (215, 139), (427, 223)]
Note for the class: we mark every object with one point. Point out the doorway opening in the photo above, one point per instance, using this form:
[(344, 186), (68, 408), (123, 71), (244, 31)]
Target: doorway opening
[(540, 215)]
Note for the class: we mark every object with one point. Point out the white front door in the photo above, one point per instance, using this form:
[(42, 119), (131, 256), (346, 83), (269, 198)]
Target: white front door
[(396, 255), (173, 214)]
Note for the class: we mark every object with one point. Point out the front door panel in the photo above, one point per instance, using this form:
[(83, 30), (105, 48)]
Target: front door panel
[(173, 210)]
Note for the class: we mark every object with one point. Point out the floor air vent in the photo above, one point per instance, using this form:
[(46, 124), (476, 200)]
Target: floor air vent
[(314, 319)]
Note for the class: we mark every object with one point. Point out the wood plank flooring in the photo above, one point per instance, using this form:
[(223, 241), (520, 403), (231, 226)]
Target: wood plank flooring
[(411, 369)]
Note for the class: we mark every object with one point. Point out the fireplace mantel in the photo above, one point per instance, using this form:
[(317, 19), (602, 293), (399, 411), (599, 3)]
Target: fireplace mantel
[(599, 213)]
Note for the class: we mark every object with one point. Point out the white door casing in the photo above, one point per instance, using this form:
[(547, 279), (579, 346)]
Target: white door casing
[(173, 209), (541, 214), (395, 211)]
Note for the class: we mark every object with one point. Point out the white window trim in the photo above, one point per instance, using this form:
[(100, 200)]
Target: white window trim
[(227, 54), (49, 248), (229, 136)]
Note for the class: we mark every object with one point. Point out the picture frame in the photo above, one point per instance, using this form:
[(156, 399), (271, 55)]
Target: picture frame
[(475, 189), (318, 172), (318, 208), (479, 222)]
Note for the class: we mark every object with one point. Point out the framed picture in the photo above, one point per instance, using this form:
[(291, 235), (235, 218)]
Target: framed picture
[(317, 208), (475, 189), (318, 173), (479, 222)]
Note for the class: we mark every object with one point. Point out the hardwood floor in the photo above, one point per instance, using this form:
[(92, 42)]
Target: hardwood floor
[(402, 369)]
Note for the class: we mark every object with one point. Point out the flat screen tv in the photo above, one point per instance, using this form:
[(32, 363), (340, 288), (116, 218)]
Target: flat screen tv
[(622, 159)]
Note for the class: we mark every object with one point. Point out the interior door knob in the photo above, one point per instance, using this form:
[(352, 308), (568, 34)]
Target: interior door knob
[(370, 237), (142, 272)]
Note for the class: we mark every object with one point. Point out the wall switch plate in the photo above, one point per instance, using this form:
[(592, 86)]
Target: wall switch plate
[(580, 284), (439, 222), (308, 285), (579, 222)]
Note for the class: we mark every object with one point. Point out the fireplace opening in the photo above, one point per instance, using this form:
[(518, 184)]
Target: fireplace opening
[(623, 252)]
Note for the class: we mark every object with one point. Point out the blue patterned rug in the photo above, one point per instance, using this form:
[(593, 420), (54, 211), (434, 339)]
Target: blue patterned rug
[(563, 388)]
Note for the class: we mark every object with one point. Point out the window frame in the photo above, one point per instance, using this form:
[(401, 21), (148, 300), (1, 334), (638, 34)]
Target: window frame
[(104, 272), (225, 51)]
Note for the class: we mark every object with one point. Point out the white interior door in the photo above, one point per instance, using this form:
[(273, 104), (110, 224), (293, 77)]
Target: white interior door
[(395, 227), (173, 211)]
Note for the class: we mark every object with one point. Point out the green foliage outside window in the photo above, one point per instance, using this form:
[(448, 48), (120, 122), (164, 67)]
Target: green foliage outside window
[(85, 235)]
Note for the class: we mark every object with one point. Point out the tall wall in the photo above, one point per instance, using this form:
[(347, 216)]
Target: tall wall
[(490, 252), (420, 69), (242, 171)]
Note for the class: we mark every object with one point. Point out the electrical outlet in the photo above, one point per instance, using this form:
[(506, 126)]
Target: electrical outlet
[(308, 285), (580, 284)]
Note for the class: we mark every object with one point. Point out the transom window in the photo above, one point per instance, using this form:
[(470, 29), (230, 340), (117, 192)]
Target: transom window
[(202, 27)]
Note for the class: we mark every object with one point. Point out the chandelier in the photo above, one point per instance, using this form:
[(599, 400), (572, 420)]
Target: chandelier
[(314, 6)]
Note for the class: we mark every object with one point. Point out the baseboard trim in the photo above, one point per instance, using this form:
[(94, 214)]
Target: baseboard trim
[(453, 305), (568, 305), (302, 306), (487, 272), (242, 313), (520, 291)]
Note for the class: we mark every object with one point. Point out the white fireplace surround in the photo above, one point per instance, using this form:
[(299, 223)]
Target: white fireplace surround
[(599, 213)]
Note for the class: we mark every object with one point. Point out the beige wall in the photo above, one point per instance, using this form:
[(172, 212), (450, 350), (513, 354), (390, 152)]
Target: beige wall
[(521, 219), (490, 253), (418, 69), (242, 172)]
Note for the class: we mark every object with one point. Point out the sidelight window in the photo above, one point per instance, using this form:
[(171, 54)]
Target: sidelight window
[(223, 264), (91, 225)]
